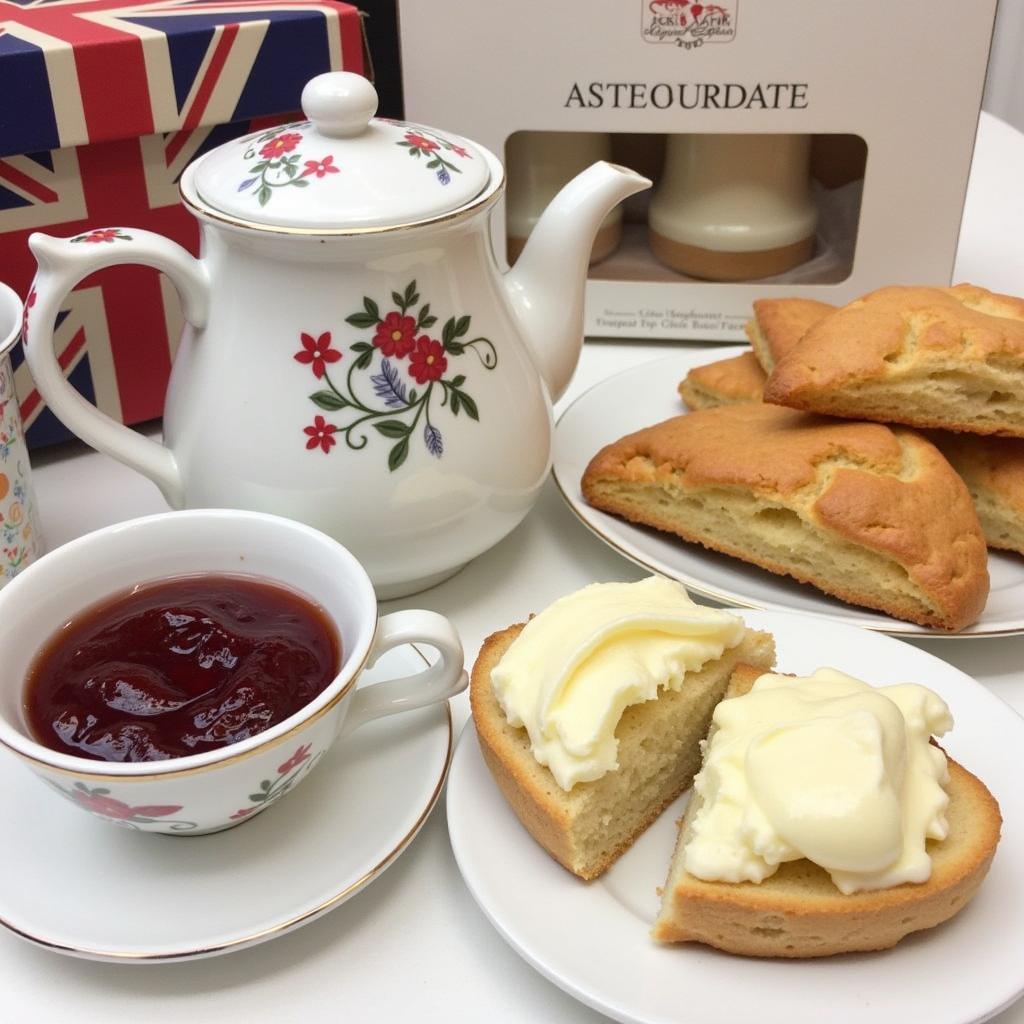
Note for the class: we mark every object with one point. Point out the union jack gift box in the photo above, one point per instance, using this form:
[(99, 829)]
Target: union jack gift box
[(102, 105)]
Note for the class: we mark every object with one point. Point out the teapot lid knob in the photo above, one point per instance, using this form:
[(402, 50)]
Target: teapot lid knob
[(339, 103)]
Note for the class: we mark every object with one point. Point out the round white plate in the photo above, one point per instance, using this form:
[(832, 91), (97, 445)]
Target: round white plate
[(646, 394), (591, 939), (83, 887)]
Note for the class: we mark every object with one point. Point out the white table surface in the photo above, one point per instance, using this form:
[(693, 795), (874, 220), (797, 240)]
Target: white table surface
[(414, 945)]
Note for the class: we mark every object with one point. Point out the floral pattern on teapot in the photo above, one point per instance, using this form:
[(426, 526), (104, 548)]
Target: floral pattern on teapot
[(399, 334), (420, 142), (279, 166)]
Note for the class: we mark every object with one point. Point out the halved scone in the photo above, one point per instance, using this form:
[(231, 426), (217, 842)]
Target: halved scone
[(868, 513), (799, 912), (588, 827)]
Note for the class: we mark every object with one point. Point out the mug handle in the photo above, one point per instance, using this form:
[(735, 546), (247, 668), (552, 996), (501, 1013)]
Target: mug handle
[(63, 262), (440, 681)]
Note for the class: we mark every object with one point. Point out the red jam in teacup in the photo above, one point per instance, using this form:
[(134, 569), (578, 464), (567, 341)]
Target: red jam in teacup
[(179, 667)]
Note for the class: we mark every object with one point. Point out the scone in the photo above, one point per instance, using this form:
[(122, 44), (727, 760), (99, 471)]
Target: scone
[(778, 324), (951, 358), (799, 911), (725, 382), (870, 514), (586, 827), (993, 469)]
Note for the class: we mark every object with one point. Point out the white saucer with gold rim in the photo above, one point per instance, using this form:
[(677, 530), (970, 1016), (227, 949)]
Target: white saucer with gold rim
[(71, 883)]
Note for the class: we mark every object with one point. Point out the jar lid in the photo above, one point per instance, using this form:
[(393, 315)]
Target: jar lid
[(342, 168)]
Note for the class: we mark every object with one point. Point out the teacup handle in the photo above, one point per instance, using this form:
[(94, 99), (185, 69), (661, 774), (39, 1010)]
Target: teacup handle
[(440, 681), (63, 262)]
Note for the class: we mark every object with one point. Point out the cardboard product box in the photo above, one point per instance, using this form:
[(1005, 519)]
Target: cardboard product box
[(102, 105), (797, 148)]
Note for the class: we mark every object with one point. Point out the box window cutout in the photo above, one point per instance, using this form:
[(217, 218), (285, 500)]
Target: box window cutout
[(775, 208)]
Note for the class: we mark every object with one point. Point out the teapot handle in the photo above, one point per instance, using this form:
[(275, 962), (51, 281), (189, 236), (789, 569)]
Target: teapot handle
[(62, 263)]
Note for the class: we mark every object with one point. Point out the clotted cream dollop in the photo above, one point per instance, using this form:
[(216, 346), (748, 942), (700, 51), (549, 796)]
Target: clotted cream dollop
[(580, 663), (826, 768)]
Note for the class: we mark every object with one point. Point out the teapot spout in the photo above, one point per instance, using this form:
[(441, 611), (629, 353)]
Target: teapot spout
[(546, 285)]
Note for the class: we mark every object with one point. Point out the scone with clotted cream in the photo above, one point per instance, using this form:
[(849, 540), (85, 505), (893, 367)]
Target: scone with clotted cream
[(590, 716), (825, 820)]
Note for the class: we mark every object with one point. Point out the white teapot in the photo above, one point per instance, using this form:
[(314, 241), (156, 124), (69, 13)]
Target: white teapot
[(353, 356)]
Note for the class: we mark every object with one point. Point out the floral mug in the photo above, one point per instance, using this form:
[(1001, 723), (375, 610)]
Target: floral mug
[(20, 539), (221, 788)]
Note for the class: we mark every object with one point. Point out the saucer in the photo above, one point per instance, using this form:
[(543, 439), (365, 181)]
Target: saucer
[(592, 938), (85, 888)]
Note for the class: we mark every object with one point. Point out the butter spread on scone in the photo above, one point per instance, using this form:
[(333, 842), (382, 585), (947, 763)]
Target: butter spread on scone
[(575, 667), (825, 768)]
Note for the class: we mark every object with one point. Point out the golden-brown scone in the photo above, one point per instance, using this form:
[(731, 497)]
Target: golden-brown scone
[(723, 382), (586, 829), (778, 324), (993, 469), (870, 514), (951, 358), (798, 912)]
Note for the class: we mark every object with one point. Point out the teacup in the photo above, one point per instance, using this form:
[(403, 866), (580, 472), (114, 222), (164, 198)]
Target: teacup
[(217, 789)]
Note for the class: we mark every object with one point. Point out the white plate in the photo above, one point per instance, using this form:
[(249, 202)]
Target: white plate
[(82, 887), (646, 394), (592, 939)]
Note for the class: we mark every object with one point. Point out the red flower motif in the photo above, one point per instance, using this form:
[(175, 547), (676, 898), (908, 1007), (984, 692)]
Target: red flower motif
[(461, 152), (99, 803), (100, 235), (243, 813), (396, 335), (320, 167), (300, 755), (417, 141), (428, 362), (29, 303), (321, 434), (317, 351), (279, 146)]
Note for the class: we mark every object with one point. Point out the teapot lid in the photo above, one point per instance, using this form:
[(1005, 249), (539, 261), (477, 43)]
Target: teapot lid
[(342, 168)]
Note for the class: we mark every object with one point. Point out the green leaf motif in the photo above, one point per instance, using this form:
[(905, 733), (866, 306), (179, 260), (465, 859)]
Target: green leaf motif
[(397, 299), (361, 320), (392, 428), (410, 293), (359, 346), (448, 331), (263, 195), (371, 308), (398, 454), (364, 360), (471, 409), (301, 182), (458, 381), (265, 785), (428, 321), (328, 400), (258, 798), (461, 326), (455, 348)]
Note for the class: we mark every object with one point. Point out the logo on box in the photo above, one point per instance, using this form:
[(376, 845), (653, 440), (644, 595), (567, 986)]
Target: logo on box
[(686, 23)]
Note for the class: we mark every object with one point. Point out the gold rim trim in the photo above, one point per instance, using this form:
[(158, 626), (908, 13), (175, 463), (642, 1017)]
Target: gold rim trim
[(177, 773), (734, 600), (201, 210), (293, 922)]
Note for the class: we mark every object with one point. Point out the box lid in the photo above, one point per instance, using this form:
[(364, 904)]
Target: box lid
[(96, 70)]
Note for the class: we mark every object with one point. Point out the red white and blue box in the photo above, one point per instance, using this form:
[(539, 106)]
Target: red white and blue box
[(102, 105)]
